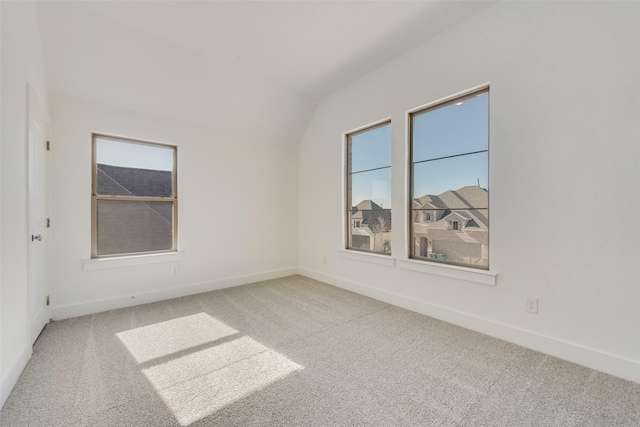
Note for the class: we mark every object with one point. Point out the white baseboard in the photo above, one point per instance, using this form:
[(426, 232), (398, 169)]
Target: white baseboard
[(595, 359), (10, 379), (97, 306)]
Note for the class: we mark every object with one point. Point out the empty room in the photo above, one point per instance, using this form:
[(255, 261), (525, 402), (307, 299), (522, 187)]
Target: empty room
[(319, 213)]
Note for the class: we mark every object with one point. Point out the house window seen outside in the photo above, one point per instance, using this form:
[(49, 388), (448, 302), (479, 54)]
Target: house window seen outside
[(134, 198), (369, 189), (450, 178)]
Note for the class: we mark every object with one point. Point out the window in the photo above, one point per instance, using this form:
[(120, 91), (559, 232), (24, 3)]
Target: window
[(368, 190), (134, 200), (449, 150), (427, 216)]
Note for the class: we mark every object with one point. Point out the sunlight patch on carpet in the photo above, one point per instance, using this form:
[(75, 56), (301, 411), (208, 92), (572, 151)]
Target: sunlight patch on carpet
[(198, 365), (204, 395), (166, 338)]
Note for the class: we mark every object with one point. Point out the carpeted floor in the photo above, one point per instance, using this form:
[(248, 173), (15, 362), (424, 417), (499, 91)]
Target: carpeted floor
[(295, 351)]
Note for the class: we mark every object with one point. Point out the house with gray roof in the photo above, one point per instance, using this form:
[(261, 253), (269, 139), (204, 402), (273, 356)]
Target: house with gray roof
[(371, 227), (453, 226)]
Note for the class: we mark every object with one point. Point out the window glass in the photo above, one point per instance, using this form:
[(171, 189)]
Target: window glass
[(451, 173), (135, 169), (369, 189), (134, 197), (450, 177), (130, 226), (437, 132), (371, 149)]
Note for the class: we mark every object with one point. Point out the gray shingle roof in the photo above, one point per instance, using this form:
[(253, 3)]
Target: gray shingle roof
[(373, 216), (475, 196), (468, 197), (121, 181), (471, 202), (367, 205)]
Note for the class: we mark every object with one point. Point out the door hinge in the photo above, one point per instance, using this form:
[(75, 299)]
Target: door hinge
[(48, 222), (48, 301), (48, 145)]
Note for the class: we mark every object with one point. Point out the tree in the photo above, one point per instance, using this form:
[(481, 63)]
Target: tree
[(380, 226)]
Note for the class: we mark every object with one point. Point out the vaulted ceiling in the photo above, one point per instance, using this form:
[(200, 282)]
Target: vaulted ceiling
[(221, 64)]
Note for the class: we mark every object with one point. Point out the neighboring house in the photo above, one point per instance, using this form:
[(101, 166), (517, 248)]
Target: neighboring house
[(134, 226), (371, 227), (453, 226)]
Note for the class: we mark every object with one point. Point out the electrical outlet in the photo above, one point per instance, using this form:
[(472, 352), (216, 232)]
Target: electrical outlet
[(532, 305), (174, 271)]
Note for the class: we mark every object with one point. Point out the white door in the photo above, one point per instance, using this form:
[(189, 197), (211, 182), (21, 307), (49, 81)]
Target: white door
[(38, 215)]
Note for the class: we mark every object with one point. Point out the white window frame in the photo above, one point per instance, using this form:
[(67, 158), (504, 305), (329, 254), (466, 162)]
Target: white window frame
[(415, 262), (95, 197), (371, 256)]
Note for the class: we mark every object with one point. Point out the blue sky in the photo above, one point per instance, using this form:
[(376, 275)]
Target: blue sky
[(369, 150), (448, 131)]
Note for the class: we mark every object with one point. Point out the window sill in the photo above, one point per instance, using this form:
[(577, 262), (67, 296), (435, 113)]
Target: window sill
[(368, 257), (129, 261), (452, 271)]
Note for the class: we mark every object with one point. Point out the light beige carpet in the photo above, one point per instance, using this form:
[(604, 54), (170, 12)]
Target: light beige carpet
[(297, 352)]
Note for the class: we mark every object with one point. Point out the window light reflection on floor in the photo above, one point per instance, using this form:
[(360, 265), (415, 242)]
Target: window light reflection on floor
[(168, 338), (198, 365)]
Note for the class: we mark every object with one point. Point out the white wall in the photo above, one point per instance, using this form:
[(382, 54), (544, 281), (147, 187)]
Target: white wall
[(22, 64), (237, 209), (564, 147)]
